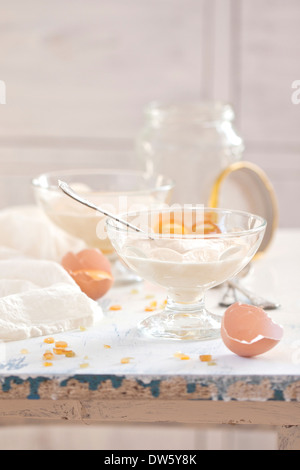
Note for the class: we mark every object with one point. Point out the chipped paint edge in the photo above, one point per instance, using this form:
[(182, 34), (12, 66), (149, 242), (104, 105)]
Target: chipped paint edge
[(223, 388)]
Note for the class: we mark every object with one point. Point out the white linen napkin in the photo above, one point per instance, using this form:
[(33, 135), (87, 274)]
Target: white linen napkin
[(28, 231), (37, 296)]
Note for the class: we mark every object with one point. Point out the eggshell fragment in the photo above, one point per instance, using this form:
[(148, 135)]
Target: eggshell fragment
[(91, 270), (248, 331)]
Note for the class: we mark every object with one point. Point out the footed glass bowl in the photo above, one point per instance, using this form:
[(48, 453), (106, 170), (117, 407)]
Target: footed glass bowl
[(187, 251), (113, 190)]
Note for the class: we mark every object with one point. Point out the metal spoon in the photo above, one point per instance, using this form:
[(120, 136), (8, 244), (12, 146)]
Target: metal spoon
[(230, 295), (256, 300), (69, 191)]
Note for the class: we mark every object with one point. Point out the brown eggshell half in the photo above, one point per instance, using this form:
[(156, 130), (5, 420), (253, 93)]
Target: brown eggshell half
[(81, 265), (248, 331)]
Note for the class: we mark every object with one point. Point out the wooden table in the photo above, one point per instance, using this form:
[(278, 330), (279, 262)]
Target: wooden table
[(155, 385)]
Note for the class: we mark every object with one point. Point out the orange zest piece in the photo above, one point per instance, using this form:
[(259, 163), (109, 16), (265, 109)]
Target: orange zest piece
[(70, 353), (182, 356), (172, 228), (106, 346), (206, 228), (49, 340), (59, 351), (164, 303), (48, 364), (168, 225), (61, 344), (152, 306), (205, 358), (48, 355), (126, 360), (115, 307), (159, 226)]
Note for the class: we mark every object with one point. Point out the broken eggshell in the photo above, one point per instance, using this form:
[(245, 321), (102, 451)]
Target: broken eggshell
[(91, 270), (248, 330)]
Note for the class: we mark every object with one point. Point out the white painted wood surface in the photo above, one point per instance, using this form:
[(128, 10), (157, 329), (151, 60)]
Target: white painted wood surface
[(155, 385), (272, 376)]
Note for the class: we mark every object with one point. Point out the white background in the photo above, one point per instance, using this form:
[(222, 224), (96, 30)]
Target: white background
[(80, 72)]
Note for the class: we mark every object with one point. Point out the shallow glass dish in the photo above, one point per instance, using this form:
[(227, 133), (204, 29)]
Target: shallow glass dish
[(186, 251), (114, 190)]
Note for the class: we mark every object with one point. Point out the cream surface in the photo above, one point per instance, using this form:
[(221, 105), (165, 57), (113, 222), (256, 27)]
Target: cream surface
[(185, 272)]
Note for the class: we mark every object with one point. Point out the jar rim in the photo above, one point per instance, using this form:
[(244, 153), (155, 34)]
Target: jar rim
[(199, 111)]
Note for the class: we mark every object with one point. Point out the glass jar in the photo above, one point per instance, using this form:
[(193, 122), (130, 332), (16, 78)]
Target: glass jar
[(191, 143)]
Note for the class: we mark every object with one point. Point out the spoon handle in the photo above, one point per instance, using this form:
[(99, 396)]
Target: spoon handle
[(69, 191), (229, 297), (255, 299)]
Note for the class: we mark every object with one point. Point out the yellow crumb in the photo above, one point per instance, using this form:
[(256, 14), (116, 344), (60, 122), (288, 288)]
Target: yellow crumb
[(82, 328), (177, 354), (106, 346), (24, 351), (84, 365), (126, 360), (115, 307), (48, 364), (134, 291)]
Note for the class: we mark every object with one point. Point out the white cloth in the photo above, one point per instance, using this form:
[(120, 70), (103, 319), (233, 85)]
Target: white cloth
[(28, 231), (37, 295)]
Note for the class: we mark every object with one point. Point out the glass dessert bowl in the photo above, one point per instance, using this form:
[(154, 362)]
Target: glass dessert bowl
[(113, 190), (187, 251)]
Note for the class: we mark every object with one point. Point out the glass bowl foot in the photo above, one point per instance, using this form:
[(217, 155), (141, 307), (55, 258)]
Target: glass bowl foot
[(196, 326)]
